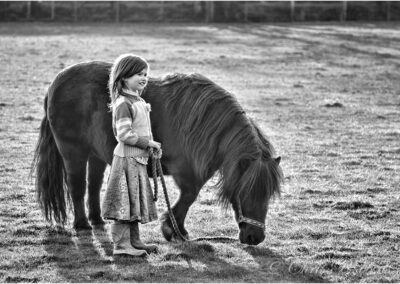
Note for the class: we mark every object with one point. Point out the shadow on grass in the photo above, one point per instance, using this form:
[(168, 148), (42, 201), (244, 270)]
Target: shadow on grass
[(87, 257), (289, 271)]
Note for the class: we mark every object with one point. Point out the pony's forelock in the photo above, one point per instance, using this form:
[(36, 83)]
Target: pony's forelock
[(259, 182)]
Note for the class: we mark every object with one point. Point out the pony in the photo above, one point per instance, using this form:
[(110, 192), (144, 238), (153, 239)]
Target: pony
[(202, 128)]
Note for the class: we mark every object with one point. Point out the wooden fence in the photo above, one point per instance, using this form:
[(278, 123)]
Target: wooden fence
[(199, 11)]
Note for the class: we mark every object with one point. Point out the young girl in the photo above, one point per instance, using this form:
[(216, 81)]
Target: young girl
[(129, 198)]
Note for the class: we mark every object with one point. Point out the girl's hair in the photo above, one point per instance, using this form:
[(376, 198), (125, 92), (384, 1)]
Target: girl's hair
[(125, 66)]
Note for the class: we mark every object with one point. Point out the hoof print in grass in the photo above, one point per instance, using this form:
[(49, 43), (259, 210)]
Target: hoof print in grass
[(15, 279), (336, 104), (27, 118), (376, 189), (97, 275), (323, 204), (176, 257), (354, 205), (333, 266), (369, 214)]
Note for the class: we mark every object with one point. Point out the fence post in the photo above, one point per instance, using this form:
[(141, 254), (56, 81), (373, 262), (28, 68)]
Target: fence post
[(53, 10), (226, 12), (209, 11), (343, 14), (5, 4), (246, 11), (117, 10), (28, 10), (162, 11), (75, 11), (292, 7)]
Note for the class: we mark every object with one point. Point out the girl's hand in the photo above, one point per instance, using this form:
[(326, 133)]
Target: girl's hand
[(154, 144), (158, 154)]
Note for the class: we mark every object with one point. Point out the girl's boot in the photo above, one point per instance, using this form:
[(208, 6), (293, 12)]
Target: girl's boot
[(137, 243), (121, 237)]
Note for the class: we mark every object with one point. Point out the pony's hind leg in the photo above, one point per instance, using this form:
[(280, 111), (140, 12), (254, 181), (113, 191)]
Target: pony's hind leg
[(189, 192), (76, 181), (95, 177)]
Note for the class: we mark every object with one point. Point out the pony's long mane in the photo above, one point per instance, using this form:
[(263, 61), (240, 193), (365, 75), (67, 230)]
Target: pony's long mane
[(217, 134)]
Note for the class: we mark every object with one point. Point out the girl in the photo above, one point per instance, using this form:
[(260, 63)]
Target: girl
[(129, 198)]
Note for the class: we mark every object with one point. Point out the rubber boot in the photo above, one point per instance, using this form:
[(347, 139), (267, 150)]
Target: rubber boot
[(137, 243), (121, 237)]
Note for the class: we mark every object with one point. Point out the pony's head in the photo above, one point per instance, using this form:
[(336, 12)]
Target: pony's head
[(251, 210), (249, 183)]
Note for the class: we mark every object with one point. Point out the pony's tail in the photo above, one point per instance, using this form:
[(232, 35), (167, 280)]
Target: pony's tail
[(50, 174)]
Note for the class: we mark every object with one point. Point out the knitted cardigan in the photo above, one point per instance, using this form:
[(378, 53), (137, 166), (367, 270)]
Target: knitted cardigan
[(131, 125)]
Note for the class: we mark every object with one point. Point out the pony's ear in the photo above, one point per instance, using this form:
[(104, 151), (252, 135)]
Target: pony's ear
[(278, 160)]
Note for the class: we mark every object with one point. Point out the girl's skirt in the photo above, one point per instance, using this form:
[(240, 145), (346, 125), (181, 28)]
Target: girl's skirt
[(129, 196)]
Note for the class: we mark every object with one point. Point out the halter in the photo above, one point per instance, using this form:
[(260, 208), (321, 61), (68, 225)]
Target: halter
[(243, 219)]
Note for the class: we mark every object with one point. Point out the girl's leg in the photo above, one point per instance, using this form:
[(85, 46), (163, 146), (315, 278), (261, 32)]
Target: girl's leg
[(120, 233), (137, 242)]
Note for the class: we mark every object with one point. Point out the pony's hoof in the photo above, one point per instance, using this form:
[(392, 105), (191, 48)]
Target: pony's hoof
[(176, 239), (97, 223), (82, 226), (99, 227), (167, 231), (170, 235)]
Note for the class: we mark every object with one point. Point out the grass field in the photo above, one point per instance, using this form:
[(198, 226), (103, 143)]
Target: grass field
[(326, 95)]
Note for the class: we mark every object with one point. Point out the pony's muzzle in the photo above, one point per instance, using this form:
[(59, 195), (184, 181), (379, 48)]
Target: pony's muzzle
[(250, 235)]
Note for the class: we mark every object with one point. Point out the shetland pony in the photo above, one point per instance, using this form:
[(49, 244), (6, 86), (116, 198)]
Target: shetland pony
[(201, 126)]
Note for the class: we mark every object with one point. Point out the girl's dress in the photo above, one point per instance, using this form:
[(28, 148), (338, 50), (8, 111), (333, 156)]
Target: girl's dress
[(129, 196)]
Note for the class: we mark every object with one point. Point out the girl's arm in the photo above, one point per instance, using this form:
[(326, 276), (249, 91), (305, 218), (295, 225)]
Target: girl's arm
[(123, 123)]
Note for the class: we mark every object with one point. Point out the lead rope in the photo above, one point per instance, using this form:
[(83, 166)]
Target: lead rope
[(156, 167), (154, 170)]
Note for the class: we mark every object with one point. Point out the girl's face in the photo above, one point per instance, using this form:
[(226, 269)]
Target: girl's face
[(138, 81)]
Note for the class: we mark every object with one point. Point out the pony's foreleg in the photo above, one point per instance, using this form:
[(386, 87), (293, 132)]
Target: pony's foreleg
[(76, 181), (95, 177), (189, 192)]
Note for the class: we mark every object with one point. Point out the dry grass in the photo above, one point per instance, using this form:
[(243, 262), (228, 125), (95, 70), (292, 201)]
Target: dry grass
[(327, 95)]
